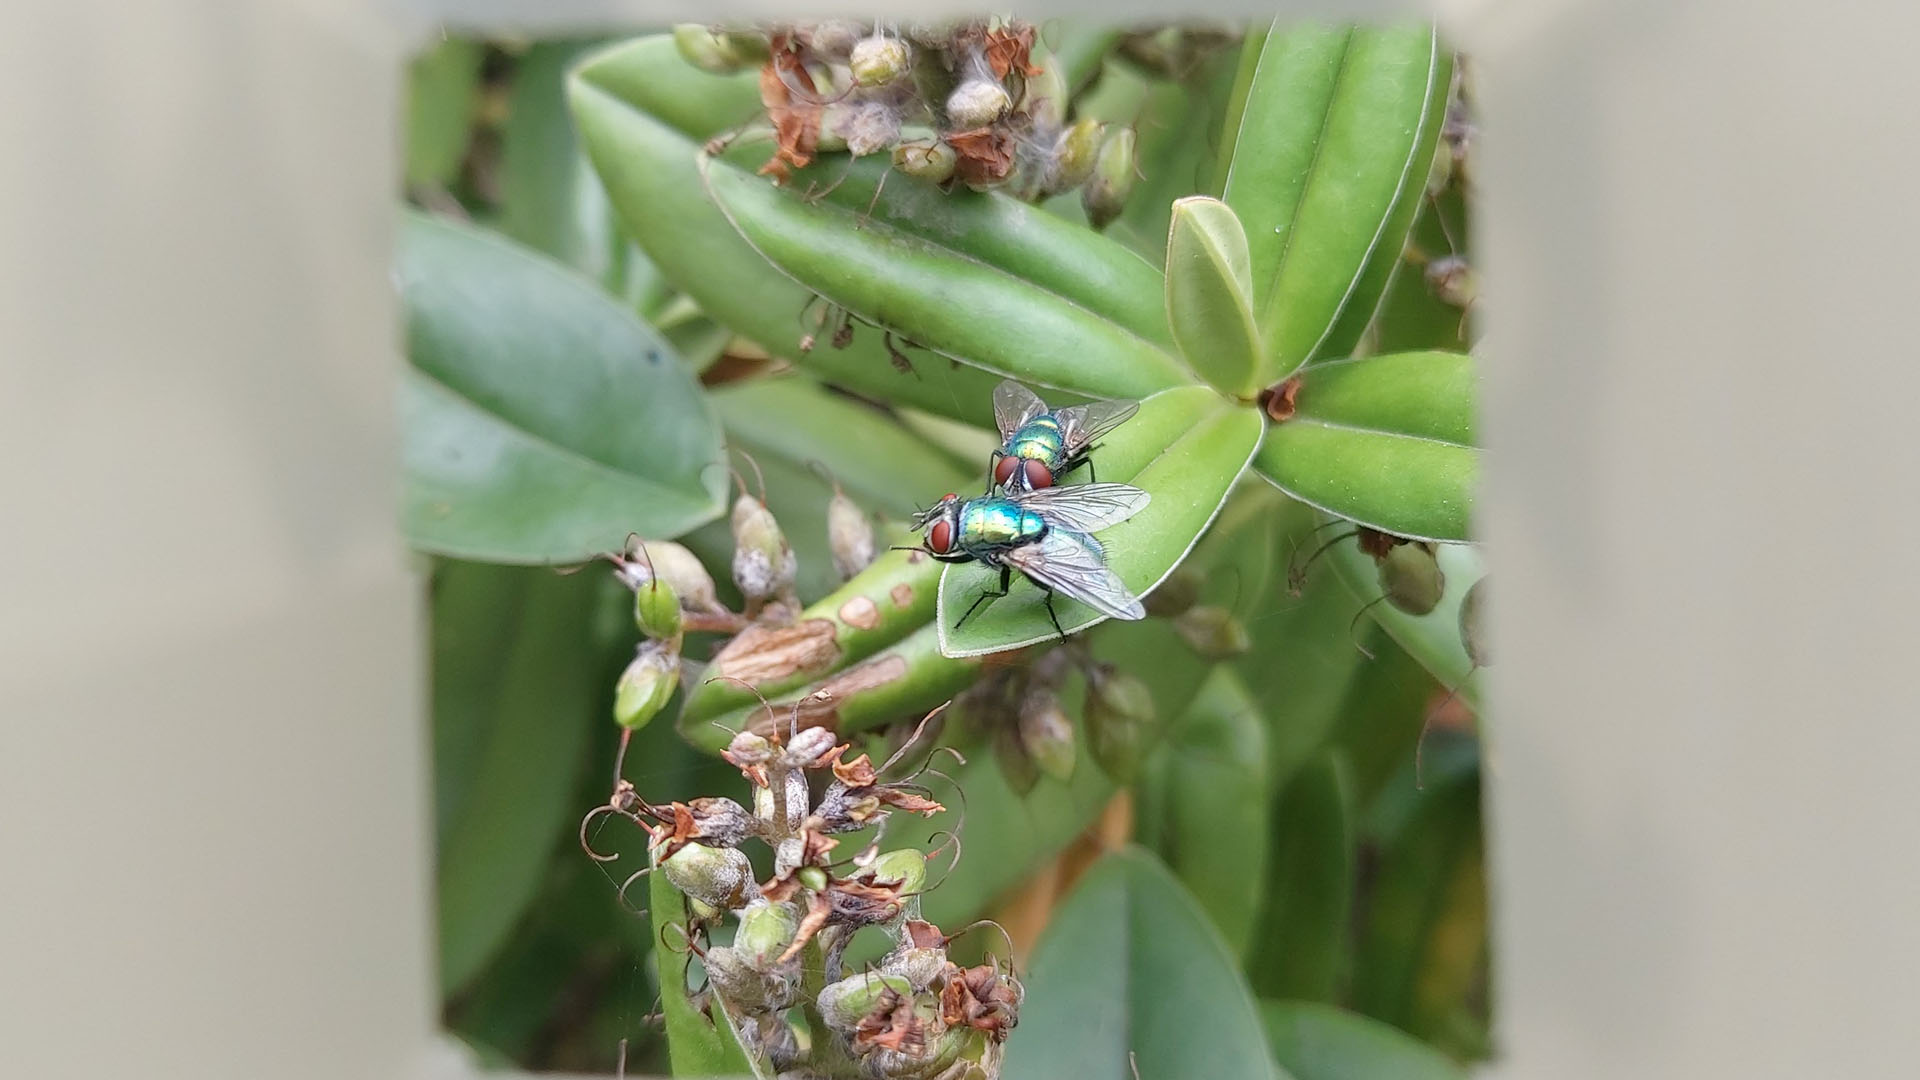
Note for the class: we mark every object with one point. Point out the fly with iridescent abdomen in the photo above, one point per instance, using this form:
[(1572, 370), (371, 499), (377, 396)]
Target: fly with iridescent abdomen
[(1038, 445), (1046, 535)]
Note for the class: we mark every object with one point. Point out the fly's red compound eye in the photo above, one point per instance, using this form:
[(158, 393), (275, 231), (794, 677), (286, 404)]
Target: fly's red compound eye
[(1003, 469), (941, 538), (1038, 475)]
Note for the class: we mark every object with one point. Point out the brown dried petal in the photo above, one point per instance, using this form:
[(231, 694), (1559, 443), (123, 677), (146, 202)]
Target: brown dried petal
[(796, 120), (860, 903), (857, 773), (985, 155), (892, 1025), (979, 998), (1281, 401), (818, 909), (1376, 543), (901, 799), (781, 889), (815, 845), (924, 935), (1009, 48)]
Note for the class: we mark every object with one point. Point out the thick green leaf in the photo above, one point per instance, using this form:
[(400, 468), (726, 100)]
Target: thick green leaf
[(1185, 447), (443, 86), (1303, 926), (550, 198), (698, 1043), (1216, 779), (988, 281), (1386, 442), (524, 706), (1209, 297), (643, 114), (1320, 1042), (1330, 157), (1129, 966), (544, 422), (1434, 638)]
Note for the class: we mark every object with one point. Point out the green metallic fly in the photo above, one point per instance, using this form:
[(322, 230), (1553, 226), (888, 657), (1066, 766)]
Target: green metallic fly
[(1039, 446), (1045, 535)]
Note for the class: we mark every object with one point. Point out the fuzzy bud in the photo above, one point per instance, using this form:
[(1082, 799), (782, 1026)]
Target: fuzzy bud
[(808, 746), (647, 685), (676, 566), (878, 60), (1453, 281), (656, 610), (843, 1003), (905, 865), (764, 566), (849, 535), (708, 51), (1213, 633), (833, 40), (1180, 591), (926, 159), (1074, 155), (1105, 194), (1121, 722), (719, 876), (1472, 631), (748, 748), (979, 100), (765, 932), (1047, 734), (1410, 577)]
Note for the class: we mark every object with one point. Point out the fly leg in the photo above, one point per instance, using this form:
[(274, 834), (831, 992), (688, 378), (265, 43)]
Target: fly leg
[(1054, 617), (1006, 583)]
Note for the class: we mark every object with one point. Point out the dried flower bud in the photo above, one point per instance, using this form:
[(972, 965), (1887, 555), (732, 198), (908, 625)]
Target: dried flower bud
[(656, 610), (674, 565), (764, 566), (1180, 591), (1213, 633), (1121, 722), (647, 684), (976, 103), (719, 876), (807, 747), (1453, 281), (765, 931), (833, 40), (908, 866), (849, 535), (710, 51), (748, 749), (1105, 194), (1410, 577), (1046, 733), (1472, 632), (718, 820), (1073, 156), (926, 159), (1017, 766), (878, 60), (843, 1003)]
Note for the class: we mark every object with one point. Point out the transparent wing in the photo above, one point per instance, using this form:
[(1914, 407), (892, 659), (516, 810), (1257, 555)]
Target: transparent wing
[(1082, 424), (1085, 508), (1069, 563), (1013, 406)]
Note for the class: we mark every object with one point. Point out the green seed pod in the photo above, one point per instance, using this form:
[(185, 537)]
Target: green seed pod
[(1180, 591), (707, 50), (905, 865), (763, 563), (647, 684), (1073, 156), (843, 1003), (926, 159), (1105, 194), (1472, 632), (918, 966), (849, 535), (1213, 633), (1046, 734), (717, 876), (1410, 578), (1016, 765), (765, 932), (1121, 722), (674, 565), (1453, 280), (1045, 98), (878, 60), (656, 609), (813, 878)]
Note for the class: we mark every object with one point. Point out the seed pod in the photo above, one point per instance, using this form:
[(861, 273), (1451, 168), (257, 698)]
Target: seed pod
[(905, 865), (977, 103), (878, 60), (674, 565), (656, 610), (796, 792), (849, 535), (1106, 191), (1046, 734), (763, 563), (1179, 592), (1213, 633), (926, 159), (707, 50), (843, 1003), (1045, 98), (833, 40), (744, 985), (1453, 280), (1410, 578), (1472, 633), (647, 684), (765, 931), (918, 966), (1073, 156), (720, 821), (1121, 722), (715, 875), (1016, 765), (813, 878)]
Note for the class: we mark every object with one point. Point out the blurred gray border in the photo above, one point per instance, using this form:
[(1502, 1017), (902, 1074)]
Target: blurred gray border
[(1699, 225)]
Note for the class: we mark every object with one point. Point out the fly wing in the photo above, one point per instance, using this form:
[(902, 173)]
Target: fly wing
[(1085, 508), (1080, 425), (1013, 406), (1069, 563)]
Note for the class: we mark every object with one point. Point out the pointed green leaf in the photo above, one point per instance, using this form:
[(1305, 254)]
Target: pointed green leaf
[(443, 91), (1216, 779), (696, 1044), (550, 198), (1320, 1042), (1330, 157), (1209, 294), (544, 422), (1303, 927), (643, 114), (1129, 966), (1185, 447), (1387, 442)]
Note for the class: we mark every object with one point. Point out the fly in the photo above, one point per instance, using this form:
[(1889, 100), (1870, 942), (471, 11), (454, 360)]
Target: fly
[(1038, 446)]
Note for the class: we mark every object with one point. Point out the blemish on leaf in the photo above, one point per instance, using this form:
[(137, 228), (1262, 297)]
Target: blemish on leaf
[(762, 654), (821, 708), (860, 613), (902, 595)]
